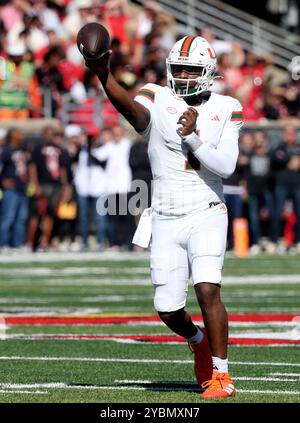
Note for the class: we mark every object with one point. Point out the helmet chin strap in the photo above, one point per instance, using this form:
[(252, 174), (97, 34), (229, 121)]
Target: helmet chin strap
[(194, 100), (198, 99)]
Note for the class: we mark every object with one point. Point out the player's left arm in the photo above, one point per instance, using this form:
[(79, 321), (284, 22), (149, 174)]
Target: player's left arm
[(222, 159)]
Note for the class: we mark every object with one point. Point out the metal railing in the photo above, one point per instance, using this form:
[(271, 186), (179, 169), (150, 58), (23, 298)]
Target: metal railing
[(81, 113), (232, 24)]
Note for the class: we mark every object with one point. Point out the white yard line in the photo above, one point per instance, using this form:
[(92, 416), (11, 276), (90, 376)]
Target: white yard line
[(233, 324), (72, 256), (72, 298), (124, 388), (265, 379), (4, 391), (104, 270), (226, 281), (81, 282), (123, 298), (285, 374), (258, 378), (58, 256), (135, 360), (32, 385), (74, 271), (256, 391), (287, 335)]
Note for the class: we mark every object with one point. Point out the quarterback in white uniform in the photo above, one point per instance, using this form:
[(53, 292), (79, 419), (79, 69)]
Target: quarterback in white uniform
[(193, 144)]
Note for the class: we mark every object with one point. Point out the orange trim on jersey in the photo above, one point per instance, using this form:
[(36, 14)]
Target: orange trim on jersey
[(237, 115), (145, 92), (186, 45)]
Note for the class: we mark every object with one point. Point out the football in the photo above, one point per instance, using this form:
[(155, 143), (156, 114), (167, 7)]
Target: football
[(93, 40)]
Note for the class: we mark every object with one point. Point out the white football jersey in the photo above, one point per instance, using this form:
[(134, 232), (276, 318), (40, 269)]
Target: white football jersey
[(181, 184)]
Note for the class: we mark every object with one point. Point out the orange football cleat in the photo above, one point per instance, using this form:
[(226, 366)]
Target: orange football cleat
[(220, 386), (202, 359)]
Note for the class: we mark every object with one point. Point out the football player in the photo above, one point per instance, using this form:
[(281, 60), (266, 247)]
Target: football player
[(193, 143)]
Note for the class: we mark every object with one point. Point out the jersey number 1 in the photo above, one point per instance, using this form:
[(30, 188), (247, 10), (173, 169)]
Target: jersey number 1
[(192, 162)]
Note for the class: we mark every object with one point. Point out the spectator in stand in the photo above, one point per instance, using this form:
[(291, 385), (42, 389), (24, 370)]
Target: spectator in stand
[(50, 78), (66, 217), (81, 14), (261, 199), (292, 98), (283, 102), (231, 75), (140, 165), (141, 171), (87, 98), (14, 179), (12, 13), (90, 184), (52, 41), (153, 37), (154, 56), (32, 32), (120, 65), (47, 172), (235, 186), (19, 92), (273, 104), (118, 177), (3, 133), (286, 165), (234, 49), (117, 18), (251, 89), (49, 18)]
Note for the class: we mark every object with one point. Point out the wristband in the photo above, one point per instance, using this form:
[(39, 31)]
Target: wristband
[(193, 141)]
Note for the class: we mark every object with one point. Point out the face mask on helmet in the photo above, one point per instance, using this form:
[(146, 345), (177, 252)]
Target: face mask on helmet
[(190, 76)]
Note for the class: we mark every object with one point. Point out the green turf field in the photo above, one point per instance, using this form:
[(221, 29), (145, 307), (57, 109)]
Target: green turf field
[(40, 364)]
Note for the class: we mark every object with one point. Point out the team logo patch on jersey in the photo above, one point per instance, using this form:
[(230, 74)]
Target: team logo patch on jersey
[(145, 92), (171, 110), (237, 115)]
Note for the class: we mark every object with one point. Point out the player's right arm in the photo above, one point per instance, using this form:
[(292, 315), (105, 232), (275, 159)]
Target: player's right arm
[(136, 114)]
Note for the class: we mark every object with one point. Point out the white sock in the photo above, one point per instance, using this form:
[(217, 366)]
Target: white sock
[(220, 365), (196, 338)]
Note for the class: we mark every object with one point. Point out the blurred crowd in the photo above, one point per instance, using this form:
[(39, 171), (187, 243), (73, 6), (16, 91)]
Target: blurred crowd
[(265, 189), (50, 190), (50, 187), (44, 67)]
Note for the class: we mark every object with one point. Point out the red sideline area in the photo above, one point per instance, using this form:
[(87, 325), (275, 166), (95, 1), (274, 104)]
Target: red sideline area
[(104, 320), (165, 339), (108, 320)]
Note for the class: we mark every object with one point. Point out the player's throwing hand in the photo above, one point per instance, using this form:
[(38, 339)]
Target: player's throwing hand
[(188, 121), (101, 65)]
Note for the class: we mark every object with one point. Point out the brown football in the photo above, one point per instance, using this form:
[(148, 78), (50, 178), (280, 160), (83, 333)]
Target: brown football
[(93, 40)]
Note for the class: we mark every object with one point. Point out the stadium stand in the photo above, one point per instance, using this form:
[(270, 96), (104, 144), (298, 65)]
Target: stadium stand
[(44, 83)]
